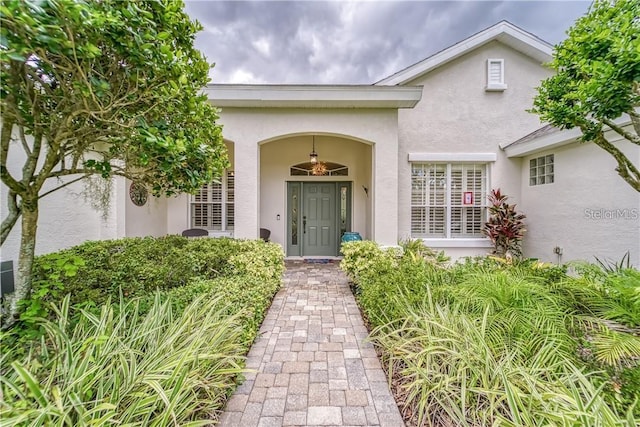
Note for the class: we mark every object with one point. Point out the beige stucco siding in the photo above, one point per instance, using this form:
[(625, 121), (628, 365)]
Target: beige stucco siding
[(277, 138), (588, 211), (457, 115)]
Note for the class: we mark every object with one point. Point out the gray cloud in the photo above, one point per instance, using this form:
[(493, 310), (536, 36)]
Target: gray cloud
[(334, 42)]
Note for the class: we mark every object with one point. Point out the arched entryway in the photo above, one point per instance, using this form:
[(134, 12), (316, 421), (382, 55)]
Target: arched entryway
[(308, 206)]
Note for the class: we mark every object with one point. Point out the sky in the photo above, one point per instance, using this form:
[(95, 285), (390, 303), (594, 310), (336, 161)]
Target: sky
[(352, 42)]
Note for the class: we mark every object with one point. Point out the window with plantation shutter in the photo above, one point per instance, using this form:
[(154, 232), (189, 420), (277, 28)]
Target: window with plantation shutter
[(212, 208), (448, 200), (495, 75)]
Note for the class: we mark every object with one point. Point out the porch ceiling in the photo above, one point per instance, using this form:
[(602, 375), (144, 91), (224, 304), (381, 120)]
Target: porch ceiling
[(313, 96)]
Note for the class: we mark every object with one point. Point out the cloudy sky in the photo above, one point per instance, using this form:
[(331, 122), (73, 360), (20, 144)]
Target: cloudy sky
[(352, 42)]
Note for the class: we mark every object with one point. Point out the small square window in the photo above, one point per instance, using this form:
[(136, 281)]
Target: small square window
[(541, 170)]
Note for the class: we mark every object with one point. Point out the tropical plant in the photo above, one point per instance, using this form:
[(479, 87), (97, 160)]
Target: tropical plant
[(448, 372), (162, 368), (96, 89), (597, 81), (505, 227), (489, 341), (416, 248), (611, 266)]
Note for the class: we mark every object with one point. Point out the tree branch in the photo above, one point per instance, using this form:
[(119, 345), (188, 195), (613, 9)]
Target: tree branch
[(13, 213), (5, 140), (627, 135), (32, 161), (23, 139), (627, 170), (73, 181), (635, 119)]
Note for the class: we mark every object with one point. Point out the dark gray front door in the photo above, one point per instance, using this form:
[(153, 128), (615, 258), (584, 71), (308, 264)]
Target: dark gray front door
[(318, 214), (319, 225)]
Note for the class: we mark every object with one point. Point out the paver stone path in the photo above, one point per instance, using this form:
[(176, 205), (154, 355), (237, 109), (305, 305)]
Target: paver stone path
[(312, 365)]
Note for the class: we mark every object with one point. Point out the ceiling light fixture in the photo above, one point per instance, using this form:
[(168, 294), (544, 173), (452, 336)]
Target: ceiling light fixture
[(313, 155)]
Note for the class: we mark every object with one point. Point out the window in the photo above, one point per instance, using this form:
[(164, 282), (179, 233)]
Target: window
[(212, 207), (541, 170), (319, 169), (495, 75), (448, 200)]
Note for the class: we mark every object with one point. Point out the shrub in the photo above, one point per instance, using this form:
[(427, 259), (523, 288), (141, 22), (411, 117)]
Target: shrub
[(162, 368), (505, 226), (493, 341), (449, 373), (95, 272), (138, 266), (359, 257)]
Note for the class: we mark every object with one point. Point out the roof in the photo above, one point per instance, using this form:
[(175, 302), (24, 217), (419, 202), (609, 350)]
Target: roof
[(538, 133), (504, 32), (550, 137), (313, 96)]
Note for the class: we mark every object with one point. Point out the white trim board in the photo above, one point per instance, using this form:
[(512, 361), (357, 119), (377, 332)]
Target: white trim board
[(453, 157), (313, 96), (457, 243)]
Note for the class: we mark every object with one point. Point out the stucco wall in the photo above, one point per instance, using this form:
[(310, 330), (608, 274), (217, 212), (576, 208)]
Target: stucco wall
[(67, 216), (252, 129), (278, 156), (588, 211), (147, 220), (457, 115)]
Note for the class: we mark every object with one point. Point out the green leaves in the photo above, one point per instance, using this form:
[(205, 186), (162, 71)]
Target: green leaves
[(103, 70), (487, 342), (110, 87), (598, 75), (164, 367), (157, 357)]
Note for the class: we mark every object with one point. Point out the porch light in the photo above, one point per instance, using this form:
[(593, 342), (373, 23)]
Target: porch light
[(313, 155)]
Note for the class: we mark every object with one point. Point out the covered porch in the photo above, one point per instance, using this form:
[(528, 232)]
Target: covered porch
[(271, 132)]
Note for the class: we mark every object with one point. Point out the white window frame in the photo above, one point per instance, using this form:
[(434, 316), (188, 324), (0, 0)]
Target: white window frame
[(492, 85), (480, 200), (546, 175), (227, 199)]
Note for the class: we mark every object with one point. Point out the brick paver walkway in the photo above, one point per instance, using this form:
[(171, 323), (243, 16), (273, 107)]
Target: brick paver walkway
[(312, 365)]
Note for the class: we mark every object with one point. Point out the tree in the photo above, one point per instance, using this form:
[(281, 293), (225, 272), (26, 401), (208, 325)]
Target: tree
[(598, 80), (99, 88)]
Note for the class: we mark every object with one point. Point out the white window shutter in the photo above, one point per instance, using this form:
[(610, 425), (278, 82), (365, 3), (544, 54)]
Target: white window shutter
[(495, 75)]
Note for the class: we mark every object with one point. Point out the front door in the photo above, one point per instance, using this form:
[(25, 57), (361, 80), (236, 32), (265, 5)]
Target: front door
[(317, 216)]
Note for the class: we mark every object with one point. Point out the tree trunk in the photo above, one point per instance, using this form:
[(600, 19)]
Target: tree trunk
[(25, 261)]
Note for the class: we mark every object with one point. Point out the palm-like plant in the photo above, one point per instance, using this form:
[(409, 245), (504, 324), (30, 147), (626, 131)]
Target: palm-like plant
[(505, 226)]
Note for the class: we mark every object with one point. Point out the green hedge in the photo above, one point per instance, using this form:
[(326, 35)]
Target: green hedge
[(486, 341), (99, 270)]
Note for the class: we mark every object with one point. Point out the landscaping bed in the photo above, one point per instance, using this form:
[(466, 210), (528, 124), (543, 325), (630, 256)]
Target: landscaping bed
[(140, 331), (491, 342)]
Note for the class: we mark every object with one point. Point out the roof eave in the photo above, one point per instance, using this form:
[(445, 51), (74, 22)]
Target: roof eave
[(559, 139), (312, 96), (546, 142)]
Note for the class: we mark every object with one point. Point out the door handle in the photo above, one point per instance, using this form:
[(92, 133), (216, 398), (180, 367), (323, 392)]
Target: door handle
[(304, 225)]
